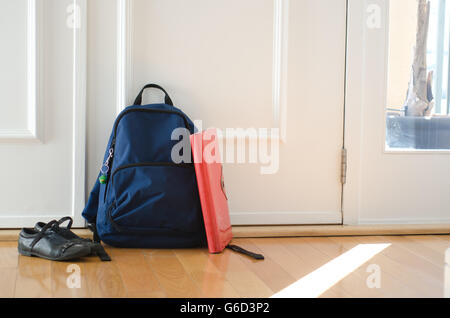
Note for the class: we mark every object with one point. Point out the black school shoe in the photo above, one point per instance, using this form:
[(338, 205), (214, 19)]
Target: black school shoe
[(95, 248), (48, 244)]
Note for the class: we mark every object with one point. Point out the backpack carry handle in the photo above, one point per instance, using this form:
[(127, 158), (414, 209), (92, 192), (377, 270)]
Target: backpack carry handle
[(167, 99)]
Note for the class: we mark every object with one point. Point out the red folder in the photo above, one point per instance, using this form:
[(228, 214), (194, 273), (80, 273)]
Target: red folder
[(213, 198)]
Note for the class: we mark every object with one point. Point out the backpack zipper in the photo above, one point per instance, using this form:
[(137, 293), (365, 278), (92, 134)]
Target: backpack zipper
[(151, 164), (133, 165), (105, 167)]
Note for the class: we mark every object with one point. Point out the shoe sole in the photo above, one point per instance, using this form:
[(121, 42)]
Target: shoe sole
[(64, 258)]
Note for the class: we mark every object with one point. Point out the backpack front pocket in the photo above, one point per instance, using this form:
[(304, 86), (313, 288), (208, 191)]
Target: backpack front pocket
[(155, 196)]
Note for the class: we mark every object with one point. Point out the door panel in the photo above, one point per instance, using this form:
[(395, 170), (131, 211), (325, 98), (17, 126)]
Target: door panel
[(217, 54), (42, 162), (13, 63)]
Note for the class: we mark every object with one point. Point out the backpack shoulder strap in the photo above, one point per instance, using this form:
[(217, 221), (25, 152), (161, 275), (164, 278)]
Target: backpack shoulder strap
[(90, 211)]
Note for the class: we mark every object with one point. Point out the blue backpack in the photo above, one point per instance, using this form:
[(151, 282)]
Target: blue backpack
[(142, 199)]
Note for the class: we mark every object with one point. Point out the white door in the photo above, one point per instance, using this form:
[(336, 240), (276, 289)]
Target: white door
[(399, 165), (273, 64), (41, 111)]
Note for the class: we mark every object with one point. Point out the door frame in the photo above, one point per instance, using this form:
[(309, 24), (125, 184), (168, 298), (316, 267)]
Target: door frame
[(351, 203)]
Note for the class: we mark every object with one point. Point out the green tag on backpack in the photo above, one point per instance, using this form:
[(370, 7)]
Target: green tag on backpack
[(103, 179)]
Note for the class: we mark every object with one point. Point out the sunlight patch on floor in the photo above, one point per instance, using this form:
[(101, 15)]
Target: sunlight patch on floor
[(319, 281)]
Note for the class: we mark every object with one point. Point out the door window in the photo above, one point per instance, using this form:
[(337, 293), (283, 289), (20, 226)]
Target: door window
[(418, 103)]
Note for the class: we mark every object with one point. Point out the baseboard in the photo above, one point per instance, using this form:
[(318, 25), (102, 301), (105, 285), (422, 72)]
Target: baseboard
[(285, 218), (21, 220), (403, 221), (339, 230), (303, 230)]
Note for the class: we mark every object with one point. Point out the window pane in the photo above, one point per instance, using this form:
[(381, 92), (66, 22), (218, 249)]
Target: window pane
[(418, 108)]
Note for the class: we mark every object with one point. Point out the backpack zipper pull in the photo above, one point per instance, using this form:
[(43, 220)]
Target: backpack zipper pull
[(105, 168)]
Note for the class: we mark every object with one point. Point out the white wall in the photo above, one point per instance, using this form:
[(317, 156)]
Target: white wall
[(101, 80)]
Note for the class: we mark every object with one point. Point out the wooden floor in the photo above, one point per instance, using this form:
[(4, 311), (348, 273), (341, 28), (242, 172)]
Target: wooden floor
[(410, 266)]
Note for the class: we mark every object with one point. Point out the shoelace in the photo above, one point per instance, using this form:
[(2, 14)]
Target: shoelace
[(96, 246), (51, 226), (64, 219), (56, 227), (42, 232)]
